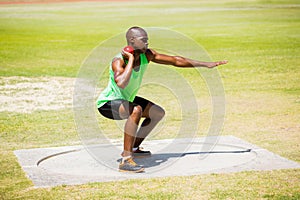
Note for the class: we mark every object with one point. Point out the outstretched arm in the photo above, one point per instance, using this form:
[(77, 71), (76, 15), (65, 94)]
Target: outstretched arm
[(179, 61)]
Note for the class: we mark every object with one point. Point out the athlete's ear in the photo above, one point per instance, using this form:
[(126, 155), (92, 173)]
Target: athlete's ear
[(131, 40)]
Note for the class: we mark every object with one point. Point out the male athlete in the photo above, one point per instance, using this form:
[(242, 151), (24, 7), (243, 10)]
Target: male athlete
[(119, 101)]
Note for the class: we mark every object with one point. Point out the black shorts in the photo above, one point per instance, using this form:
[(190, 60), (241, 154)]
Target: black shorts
[(111, 108)]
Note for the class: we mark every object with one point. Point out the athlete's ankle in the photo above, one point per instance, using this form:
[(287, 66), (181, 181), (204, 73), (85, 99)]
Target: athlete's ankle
[(126, 153), (125, 158)]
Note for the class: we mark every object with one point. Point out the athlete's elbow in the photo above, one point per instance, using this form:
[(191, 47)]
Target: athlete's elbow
[(181, 62), (121, 84)]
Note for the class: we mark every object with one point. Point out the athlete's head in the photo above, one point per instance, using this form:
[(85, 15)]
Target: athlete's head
[(137, 38)]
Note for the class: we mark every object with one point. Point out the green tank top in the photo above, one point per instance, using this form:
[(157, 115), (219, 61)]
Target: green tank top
[(113, 92)]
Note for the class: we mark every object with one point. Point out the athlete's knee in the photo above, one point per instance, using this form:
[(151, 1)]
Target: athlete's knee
[(161, 113), (157, 112), (137, 111)]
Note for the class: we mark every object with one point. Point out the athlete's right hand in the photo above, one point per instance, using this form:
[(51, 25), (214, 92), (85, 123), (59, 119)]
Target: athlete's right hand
[(127, 55)]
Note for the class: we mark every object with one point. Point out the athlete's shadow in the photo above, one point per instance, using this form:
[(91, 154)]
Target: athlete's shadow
[(159, 159)]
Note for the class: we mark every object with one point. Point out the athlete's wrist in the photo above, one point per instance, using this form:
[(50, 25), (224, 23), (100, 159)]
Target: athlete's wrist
[(131, 59)]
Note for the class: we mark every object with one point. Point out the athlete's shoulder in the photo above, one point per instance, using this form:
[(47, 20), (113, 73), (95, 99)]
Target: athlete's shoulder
[(117, 62), (117, 57), (150, 53)]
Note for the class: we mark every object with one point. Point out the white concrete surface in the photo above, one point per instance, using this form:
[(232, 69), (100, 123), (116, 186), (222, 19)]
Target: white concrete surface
[(83, 164)]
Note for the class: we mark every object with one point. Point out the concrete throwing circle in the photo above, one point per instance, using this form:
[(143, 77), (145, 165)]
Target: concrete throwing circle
[(73, 165), (78, 162), (93, 76)]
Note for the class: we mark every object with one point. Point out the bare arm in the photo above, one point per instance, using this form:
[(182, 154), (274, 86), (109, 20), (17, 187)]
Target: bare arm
[(122, 74), (179, 61)]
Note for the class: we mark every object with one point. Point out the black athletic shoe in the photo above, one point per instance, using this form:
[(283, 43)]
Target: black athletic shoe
[(130, 166), (140, 153)]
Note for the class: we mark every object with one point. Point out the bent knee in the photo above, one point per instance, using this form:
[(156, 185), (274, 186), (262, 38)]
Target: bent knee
[(137, 111), (162, 113), (157, 112)]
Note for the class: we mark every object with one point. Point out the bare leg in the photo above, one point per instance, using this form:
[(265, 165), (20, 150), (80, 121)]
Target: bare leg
[(153, 114), (130, 129)]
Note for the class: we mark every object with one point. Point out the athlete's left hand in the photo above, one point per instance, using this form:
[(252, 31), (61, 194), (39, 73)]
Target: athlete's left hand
[(215, 64)]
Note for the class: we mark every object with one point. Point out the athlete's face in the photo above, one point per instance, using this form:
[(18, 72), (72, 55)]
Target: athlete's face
[(141, 42)]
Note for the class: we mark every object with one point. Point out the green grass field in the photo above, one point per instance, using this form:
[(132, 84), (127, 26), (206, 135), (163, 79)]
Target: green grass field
[(260, 38)]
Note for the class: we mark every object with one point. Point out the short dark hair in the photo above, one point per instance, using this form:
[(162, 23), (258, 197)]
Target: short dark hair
[(132, 31)]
